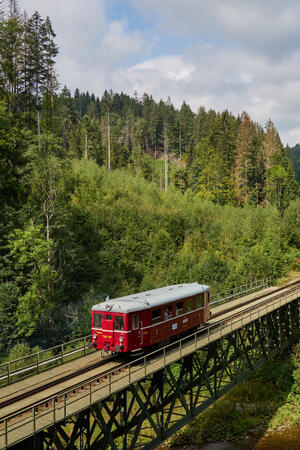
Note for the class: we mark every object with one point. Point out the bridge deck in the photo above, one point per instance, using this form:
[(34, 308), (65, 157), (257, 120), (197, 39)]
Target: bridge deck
[(36, 381), (26, 385), (246, 299), (20, 427)]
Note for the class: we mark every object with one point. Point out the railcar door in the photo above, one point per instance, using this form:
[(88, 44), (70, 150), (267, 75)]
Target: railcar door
[(118, 329), (108, 331), (136, 332), (206, 306)]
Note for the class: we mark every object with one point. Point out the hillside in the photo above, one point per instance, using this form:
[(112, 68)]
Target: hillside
[(89, 208)]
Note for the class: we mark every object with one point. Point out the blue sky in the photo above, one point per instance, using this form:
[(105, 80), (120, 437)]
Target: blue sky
[(225, 54)]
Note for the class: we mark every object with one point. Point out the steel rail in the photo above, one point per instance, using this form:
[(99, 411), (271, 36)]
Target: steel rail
[(247, 302), (56, 381), (238, 291)]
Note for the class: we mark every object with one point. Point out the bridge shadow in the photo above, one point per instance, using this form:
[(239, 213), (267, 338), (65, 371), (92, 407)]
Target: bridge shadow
[(268, 399)]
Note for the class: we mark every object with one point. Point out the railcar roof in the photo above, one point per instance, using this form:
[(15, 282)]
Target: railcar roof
[(150, 299)]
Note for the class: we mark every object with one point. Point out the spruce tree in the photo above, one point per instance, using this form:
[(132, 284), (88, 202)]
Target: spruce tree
[(244, 148), (42, 51), (10, 54), (272, 143), (67, 116), (184, 128)]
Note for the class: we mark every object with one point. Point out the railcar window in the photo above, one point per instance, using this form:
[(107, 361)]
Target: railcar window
[(98, 320), (189, 305), (108, 316), (199, 301), (119, 323), (179, 308), (156, 317), (168, 312), (135, 321)]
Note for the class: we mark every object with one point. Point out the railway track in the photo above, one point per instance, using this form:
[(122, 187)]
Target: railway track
[(249, 301), (113, 363), (35, 390)]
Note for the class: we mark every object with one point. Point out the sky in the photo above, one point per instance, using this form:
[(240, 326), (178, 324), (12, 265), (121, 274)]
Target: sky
[(222, 54)]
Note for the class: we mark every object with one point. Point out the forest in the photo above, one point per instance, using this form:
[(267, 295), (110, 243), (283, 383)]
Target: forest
[(112, 195)]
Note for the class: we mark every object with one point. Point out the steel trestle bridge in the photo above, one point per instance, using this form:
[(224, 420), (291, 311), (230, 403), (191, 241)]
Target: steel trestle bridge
[(144, 401)]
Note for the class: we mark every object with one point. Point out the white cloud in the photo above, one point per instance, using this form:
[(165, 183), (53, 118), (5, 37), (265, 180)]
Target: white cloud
[(164, 68), (240, 56), (91, 46), (270, 27), (117, 44), (223, 79)]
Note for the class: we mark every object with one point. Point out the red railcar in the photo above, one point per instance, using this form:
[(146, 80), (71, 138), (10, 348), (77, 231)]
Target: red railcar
[(141, 320)]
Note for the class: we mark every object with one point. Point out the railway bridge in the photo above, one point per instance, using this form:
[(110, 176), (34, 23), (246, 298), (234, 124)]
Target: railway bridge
[(90, 403)]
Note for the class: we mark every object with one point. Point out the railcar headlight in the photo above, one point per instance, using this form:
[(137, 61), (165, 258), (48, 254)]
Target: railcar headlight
[(94, 336), (121, 339)]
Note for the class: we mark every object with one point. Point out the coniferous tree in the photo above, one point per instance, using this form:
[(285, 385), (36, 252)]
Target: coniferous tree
[(42, 52), (10, 51), (244, 149), (67, 117), (184, 128), (272, 144), (50, 53), (295, 154), (272, 147)]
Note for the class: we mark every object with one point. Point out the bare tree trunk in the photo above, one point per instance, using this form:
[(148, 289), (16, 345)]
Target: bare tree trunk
[(128, 136), (166, 157), (86, 147), (38, 116), (108, 139), (52, 108), (160, 180), (166, 171), (48, 237), (48, 218), (180, 140)]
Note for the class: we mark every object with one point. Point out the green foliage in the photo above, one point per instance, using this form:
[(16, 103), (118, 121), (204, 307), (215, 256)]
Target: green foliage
[(9, 294), (30, 253), (296, 161), (18, 351), (71, 229)]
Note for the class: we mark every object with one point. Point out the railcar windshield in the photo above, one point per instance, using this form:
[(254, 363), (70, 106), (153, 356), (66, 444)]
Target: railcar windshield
[(98, 320)]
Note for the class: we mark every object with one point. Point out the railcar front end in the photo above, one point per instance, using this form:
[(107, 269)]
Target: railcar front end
[(109, 331)]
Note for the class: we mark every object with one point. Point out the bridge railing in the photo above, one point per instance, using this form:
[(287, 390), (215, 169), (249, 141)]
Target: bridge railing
[(139, 368), (252, 286), (42, 360), (35, 363)]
